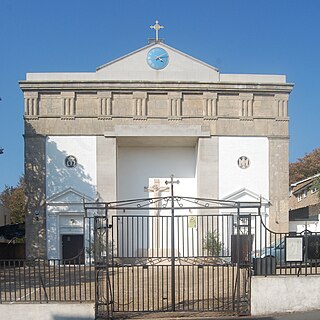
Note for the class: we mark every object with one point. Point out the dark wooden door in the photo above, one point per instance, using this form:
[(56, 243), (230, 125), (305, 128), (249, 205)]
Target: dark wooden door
[(72, 247)]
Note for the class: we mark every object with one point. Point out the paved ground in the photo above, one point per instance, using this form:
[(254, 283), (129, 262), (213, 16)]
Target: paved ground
[(311, 315)]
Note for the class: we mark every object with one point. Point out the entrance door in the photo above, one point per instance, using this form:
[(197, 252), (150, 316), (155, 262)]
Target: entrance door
[(72, 247)]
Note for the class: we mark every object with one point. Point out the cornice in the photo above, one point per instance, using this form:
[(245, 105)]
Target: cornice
[(163, 86)]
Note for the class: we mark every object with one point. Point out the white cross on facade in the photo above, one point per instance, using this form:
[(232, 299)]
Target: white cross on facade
[(157, 190), (157, 27)]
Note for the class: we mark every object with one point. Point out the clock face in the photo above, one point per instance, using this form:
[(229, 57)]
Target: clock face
[(158, 58)]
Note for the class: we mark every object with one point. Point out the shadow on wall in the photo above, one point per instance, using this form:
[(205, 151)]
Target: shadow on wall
[(60, 177)]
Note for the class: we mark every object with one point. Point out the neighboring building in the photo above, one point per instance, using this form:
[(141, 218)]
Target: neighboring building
[(304, 206), (108, 134)]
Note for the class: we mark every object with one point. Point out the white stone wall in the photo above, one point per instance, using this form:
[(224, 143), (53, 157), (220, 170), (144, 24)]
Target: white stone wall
[(66, 187), (137, 165), (83, 177), (279, 294), (48, 311), (231, 177)]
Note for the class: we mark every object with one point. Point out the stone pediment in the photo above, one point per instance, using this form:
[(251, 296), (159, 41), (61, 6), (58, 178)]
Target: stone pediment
[(181, 67), (69, 196)]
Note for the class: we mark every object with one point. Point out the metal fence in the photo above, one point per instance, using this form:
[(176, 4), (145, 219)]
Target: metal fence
[(46, 281), (193, 259), (293, 253)]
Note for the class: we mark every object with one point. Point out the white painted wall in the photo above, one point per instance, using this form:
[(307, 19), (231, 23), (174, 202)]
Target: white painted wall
[(138, 168), (231, 177), (279, 294), (68, 218), (48, 311), (83, 177), (136, 165)]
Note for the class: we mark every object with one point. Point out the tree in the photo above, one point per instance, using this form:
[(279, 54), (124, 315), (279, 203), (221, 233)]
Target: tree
[(14, 200), (305, 167), (212, 244)]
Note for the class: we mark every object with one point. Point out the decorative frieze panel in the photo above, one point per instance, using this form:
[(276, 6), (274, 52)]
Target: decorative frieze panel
[(31, 105), (68, 106), (210, 105), (139, 105), (175, 105), (246, 104), (105, 105), (281, 106)]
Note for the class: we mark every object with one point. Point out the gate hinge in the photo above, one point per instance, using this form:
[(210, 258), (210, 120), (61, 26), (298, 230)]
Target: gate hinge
[(109, 226)]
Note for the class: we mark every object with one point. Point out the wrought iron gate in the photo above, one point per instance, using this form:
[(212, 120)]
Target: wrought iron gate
[(170, 254)]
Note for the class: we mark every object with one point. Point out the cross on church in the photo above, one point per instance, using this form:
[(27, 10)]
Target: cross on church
[(157, 190), (157, 27)]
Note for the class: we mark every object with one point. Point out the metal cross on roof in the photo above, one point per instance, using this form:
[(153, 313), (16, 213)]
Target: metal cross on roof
[(157, 27)]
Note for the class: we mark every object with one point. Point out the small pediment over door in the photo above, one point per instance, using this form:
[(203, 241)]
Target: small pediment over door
[(246, 197), (68, 200)]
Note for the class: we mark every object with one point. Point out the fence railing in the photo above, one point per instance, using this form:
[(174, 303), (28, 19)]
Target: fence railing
[(46, 281), (206, 241), (294, 253)]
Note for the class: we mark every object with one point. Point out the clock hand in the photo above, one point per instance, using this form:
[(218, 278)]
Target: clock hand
[(161, 56)]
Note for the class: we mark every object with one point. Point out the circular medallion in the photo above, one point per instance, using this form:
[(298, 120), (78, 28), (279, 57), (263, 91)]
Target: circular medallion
[(243, 162), (70, 161)]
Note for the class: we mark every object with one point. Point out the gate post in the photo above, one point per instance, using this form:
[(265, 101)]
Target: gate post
[(238, 259), (173, 284)]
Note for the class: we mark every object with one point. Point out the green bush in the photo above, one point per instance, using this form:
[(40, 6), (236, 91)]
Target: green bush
[(212, 244)]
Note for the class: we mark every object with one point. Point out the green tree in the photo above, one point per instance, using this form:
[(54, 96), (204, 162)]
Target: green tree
[(14, 200), (305, 167), (212, 244)]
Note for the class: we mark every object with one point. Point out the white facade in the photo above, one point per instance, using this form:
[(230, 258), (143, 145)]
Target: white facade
[(113, 134)]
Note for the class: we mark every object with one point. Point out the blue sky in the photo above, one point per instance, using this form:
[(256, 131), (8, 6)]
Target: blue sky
[(248, 36)]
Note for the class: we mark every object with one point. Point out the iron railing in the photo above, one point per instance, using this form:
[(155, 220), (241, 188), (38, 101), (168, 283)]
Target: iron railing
[(136, 263), (46, 281)]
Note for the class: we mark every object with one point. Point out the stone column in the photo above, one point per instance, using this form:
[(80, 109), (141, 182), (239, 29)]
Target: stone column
[(208, 167), (35, 177), (279, 182), (107, 168)]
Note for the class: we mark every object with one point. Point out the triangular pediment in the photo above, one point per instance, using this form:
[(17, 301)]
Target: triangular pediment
[(181, 67), (245, 195), (69, 195)]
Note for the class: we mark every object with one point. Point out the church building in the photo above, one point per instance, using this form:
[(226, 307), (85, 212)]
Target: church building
[(119, 132)]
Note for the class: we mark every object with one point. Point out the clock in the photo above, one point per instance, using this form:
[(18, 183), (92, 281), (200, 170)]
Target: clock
[(158, 58)]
